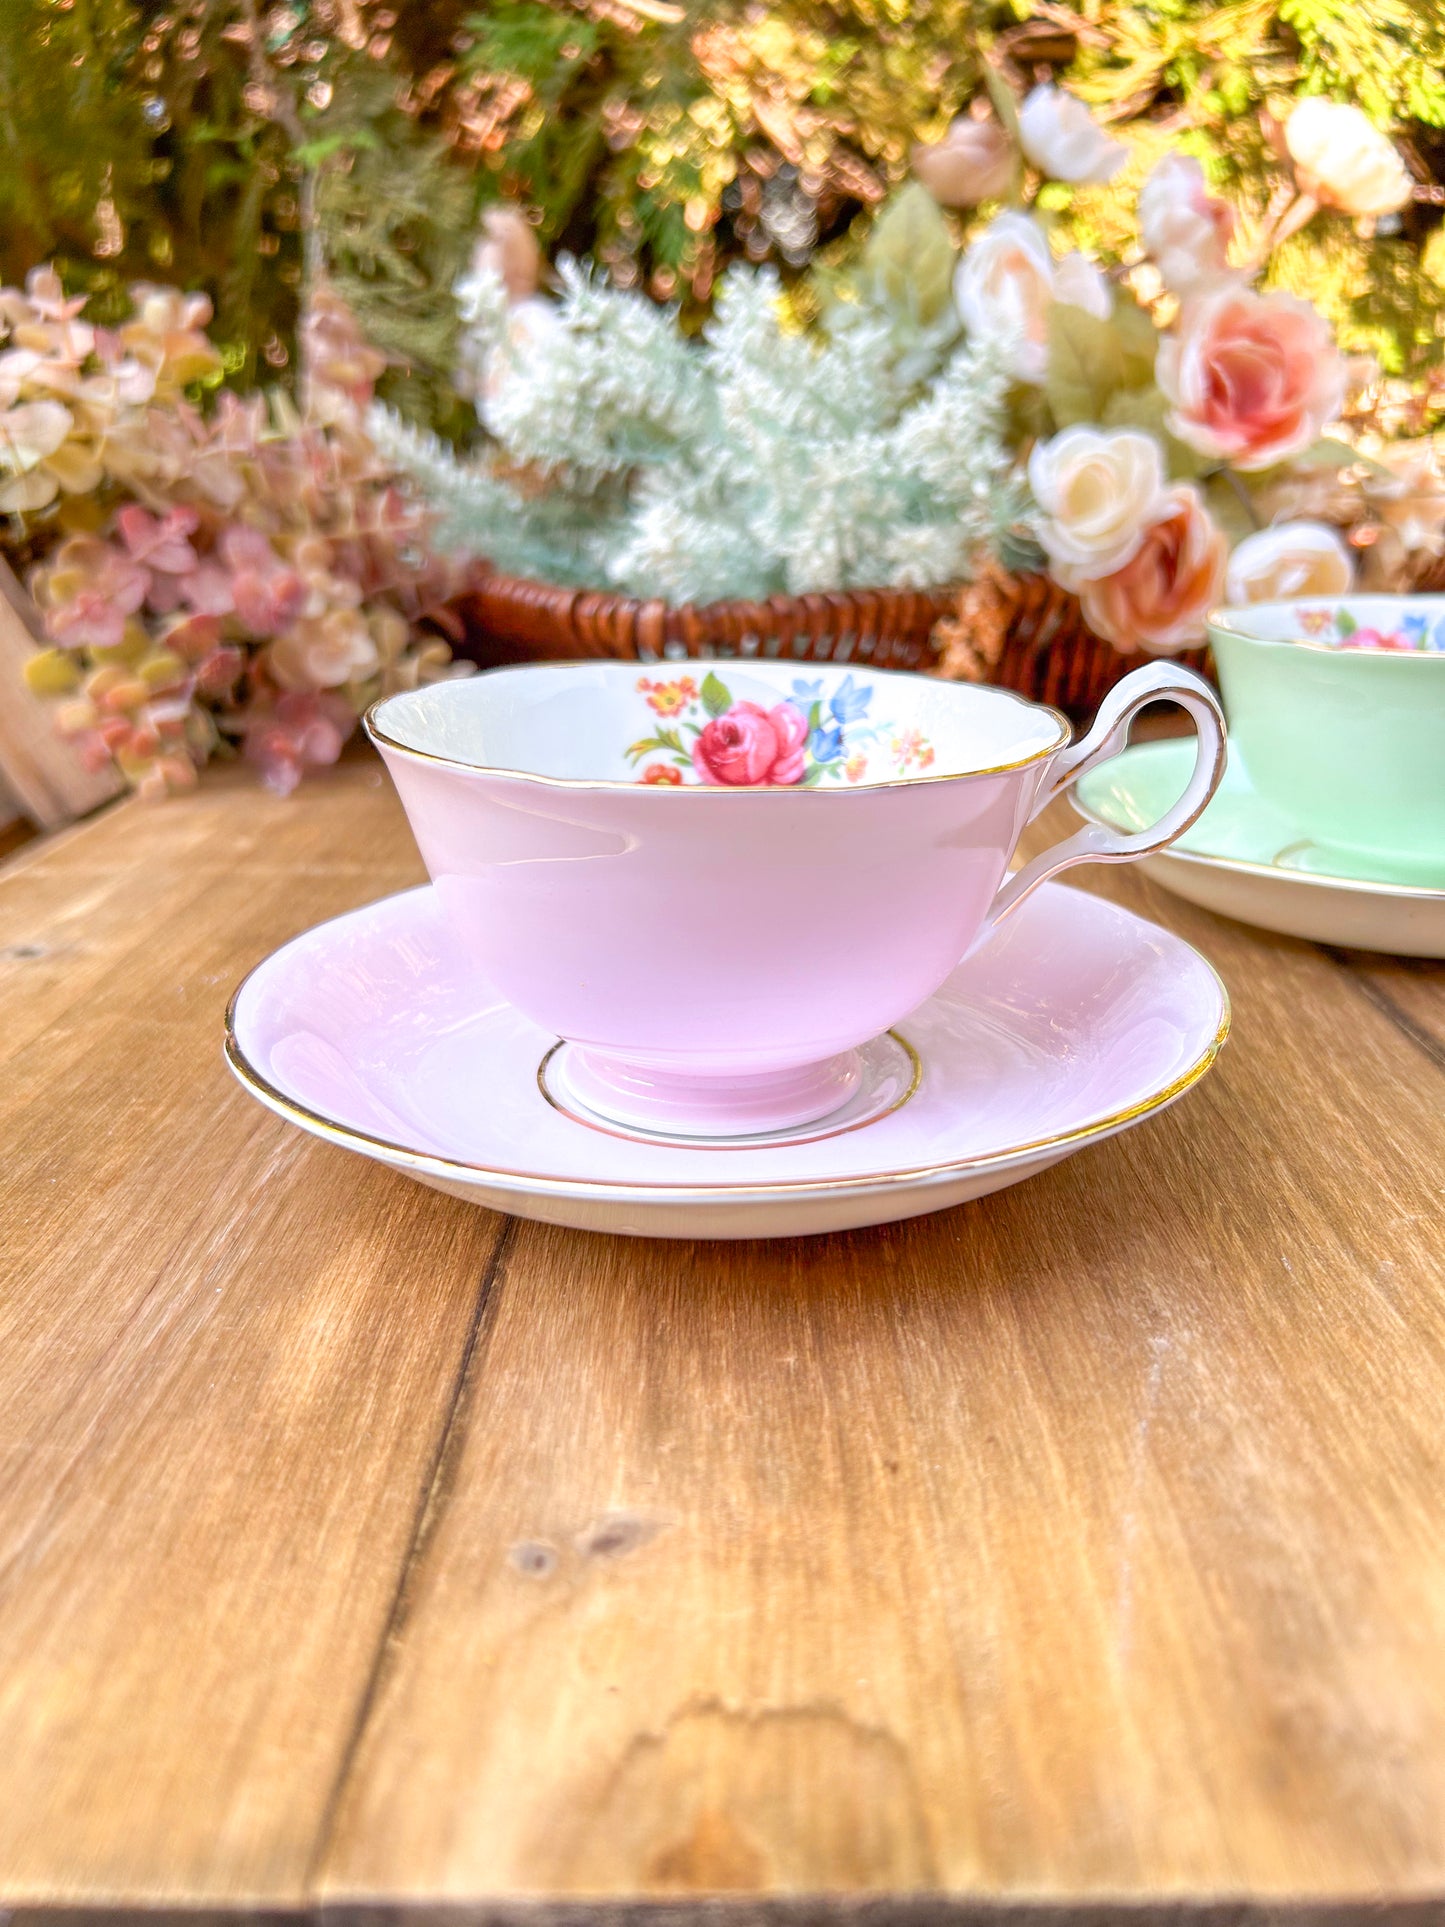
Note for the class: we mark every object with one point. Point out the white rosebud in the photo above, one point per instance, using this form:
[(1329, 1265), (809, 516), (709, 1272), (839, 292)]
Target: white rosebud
[(1344, 161), (1008, 280), (1099, 490), (1183, 229), (1294, 559), (1064, 141)]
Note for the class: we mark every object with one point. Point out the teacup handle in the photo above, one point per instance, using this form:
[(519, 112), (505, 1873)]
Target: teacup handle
[(1155, 682)]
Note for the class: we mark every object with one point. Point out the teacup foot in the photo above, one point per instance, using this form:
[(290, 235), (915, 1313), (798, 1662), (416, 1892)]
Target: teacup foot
[(685, 1104)]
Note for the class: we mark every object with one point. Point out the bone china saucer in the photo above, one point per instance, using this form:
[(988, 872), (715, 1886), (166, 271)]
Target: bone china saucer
[(1245, 859), (1071, 1022)]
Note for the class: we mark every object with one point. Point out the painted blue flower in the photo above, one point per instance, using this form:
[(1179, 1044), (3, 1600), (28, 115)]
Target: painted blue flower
[(849, 702), (1437, 639), (807, 692), (1414, 627), (827, 743)]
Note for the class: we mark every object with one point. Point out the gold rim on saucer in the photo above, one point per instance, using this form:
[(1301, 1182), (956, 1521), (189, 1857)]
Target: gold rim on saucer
[(762, 1141), (350, 1138)]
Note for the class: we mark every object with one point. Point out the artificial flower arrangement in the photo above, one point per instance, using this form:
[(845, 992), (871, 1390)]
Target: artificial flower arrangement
[(1175, 447), (1156, 447), (247, 578)]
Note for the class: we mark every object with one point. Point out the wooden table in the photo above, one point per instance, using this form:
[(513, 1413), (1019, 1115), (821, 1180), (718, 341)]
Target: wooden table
[(1082, 1545)]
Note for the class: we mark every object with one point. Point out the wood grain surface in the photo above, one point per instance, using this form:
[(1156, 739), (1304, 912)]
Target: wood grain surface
[(1076, 1550)]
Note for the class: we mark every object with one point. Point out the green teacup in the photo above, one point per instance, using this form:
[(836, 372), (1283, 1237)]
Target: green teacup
[(1337, 710)]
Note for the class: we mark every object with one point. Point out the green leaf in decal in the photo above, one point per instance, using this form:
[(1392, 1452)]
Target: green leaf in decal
[(716, 697)]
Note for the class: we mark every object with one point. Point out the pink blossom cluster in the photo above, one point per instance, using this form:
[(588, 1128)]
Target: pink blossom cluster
[(255, 577)]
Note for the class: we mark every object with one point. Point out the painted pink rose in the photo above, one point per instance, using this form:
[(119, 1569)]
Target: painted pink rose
[(1159, 599), (751, 745), (1251, 378), (1377, 639)]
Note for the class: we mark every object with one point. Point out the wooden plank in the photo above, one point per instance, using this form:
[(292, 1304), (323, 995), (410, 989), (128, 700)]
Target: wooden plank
[(1410, 990), (42, 773), (1083, 1542), (227, 1360), (1081, 1545)]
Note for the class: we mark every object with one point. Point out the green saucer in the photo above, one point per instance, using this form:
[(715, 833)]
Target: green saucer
[(1135, 788)]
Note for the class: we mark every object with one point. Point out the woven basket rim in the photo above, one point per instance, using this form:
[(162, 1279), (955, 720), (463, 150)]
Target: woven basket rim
[(503, 582)]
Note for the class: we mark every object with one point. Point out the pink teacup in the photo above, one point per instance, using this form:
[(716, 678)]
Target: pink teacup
[(717, 880)]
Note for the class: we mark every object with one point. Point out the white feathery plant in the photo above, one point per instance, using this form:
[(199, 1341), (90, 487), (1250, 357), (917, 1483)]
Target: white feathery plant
[(762, 460)]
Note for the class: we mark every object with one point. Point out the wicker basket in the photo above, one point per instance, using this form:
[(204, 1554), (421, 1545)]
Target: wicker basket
[(508, 619), (1023, 632)]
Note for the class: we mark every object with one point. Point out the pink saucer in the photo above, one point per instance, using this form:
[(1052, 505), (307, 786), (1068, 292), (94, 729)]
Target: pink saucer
[(1073, 1021)]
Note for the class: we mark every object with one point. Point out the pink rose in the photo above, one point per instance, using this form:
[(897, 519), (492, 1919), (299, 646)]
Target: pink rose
[(1159, 599), (1252, 378), (973, 162), (752, 745)]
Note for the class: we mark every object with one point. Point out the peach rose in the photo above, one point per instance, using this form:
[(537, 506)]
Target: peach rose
[(509, 248), (1159, 599), (1343, 160), (1293, 559), (973, 162), (1008, 280), (1184, 230), (1252, 378), (1099, 489), (1064, 141)]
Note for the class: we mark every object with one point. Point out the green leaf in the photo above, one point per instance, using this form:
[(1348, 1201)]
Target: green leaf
[(1136, 408), (1230, 506), (313, 153), (716, 699), (909, 257), (1139, 339), (1029, 418), (1087, 365), (1001, 95), (1146, 408), (1327, 452), (1345, 624)]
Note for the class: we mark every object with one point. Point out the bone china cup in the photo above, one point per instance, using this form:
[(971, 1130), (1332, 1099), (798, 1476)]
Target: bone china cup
[(1337, 711), (717, 880)]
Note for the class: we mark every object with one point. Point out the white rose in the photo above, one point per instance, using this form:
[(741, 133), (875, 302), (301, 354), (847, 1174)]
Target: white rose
[(1183, 229), (1064, 141), (973, 162), (1294, 559), (1099, 489), (1345, 161), (1008, 280)]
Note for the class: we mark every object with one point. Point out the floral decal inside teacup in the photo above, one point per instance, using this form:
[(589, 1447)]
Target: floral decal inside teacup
[(1342, 630), (704, 735)]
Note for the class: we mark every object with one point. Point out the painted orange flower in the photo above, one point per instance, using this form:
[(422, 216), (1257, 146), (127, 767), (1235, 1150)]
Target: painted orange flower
[(661, 773), (855, 766), (668, 698)]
